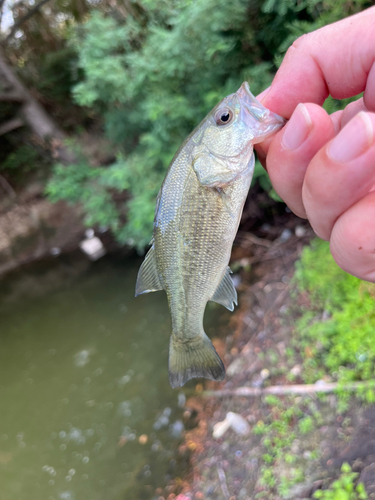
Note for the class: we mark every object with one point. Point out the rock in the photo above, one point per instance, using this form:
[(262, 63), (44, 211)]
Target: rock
[(238, 423), (257, 381), (264, 374), (296, 370), (143, 438), (220, 429), (176, 429), (300, 231), (285, 235), (236, 366), (92, 246), (181, 400), (233, 420), (367, 477)]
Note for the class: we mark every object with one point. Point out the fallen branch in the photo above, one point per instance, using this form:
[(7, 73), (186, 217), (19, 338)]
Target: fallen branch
[(251, 238), (288, 389), (223, 482), (11, 125), (11, 97)]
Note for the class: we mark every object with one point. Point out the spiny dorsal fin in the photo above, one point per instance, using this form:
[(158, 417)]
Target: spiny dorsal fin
[(148, 278), (226, 294)]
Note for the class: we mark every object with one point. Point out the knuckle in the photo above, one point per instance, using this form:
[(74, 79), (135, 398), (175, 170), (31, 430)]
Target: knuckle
[(297, 44)]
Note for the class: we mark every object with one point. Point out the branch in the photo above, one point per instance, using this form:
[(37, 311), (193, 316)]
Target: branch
[(11, 125), (281, 390), (223, 482), (11, 97), (25, 18)]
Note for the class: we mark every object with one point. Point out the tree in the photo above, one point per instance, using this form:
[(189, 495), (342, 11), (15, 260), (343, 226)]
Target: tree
[(154, 74)]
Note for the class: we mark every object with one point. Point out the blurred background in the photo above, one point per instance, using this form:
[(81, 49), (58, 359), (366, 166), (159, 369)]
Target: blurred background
[(95, 98)]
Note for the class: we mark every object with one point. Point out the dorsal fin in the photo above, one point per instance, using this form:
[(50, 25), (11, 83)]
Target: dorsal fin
[(148, 277), (226, 294)]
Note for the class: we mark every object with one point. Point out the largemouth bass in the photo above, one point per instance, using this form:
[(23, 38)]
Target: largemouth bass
[(197, 214)]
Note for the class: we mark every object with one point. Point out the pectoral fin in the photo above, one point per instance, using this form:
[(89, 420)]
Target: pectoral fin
[(148, 277), (226, 294)]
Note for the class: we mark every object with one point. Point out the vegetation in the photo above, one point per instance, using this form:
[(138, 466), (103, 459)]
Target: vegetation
[(142, 74), (336, 330), (332, 317), (344, 488), (287, 421)]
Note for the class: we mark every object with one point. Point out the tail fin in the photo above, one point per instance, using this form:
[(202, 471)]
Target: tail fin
[(193, 357)]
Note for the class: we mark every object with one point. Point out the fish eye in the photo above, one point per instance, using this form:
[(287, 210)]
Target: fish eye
[(223, 116)]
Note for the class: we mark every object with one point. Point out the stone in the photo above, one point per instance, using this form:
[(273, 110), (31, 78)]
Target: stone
[(238, 423), (220, 429), (367, 477)]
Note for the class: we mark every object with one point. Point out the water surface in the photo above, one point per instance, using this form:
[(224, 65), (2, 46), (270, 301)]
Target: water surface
[(83, 383)]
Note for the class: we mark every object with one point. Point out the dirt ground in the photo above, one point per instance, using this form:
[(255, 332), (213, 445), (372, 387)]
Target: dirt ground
[(257, 355)]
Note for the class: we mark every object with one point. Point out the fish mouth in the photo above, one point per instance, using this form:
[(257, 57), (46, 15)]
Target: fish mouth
[(261, 119)]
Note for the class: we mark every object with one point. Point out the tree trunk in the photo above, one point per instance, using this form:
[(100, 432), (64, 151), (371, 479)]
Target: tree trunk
[(32, 112)]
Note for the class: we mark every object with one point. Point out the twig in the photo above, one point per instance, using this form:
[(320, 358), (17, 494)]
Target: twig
[(25, 18), (223, 482), (11, 97), (288, 389), (11, 125), (254, 239)]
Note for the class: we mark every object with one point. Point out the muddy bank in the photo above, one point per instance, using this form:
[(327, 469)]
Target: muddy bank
[(31, 230), (295, 445)]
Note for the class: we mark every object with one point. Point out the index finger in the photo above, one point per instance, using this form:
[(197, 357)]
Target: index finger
[(337, 60)]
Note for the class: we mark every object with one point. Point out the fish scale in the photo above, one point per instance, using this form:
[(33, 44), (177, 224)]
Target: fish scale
[(198, 211)]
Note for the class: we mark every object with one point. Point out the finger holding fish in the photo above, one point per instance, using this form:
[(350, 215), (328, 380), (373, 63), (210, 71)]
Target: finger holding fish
[(292, 150)]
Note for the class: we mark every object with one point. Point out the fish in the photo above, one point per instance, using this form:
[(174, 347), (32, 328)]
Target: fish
[(197, 214)]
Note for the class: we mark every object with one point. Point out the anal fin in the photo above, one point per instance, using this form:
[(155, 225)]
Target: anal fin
[(226, 294), (148, 277)]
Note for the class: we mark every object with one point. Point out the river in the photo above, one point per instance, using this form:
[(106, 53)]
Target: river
[(86, 410)]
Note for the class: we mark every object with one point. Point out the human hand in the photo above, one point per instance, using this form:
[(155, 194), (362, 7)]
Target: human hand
[(323, 166)]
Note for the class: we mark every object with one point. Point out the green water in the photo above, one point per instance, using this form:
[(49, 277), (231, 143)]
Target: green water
[(83, 374)]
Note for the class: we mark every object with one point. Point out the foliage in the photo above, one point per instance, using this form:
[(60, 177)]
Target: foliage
[(154, 74), (338, 328), (22, 159), (279, 432), (344, 488)]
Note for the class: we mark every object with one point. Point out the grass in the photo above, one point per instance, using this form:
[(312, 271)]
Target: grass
[(334, 335), (288, 420), (344, 488)]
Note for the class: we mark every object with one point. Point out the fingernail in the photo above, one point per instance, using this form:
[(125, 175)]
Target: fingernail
[(263, 94), (353, 140), (297, 129)]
